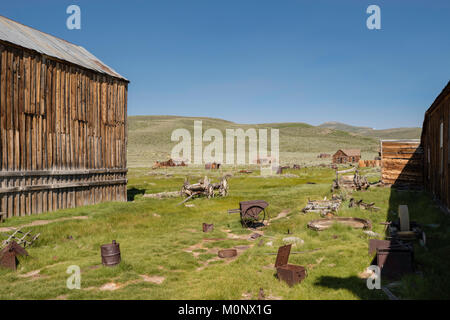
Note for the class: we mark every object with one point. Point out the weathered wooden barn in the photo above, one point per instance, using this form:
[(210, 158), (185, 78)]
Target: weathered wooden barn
[(347, 156), (401, 162), (436, 145), (63, 124)]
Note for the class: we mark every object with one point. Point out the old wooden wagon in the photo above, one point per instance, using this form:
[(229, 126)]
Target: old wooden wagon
[(63, 124), (436, 146)]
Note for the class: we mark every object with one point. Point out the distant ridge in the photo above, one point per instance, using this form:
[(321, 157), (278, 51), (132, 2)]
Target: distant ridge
[(394, 133)]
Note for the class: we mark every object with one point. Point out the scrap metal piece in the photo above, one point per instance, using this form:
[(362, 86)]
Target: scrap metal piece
[(227, 253), (395, 262), (208, 227), (110, 254), (8, 255), (322, 224), (289, 273)]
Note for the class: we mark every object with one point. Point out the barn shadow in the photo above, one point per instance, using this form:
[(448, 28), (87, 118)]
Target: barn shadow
[(406, 190), (133, 192)]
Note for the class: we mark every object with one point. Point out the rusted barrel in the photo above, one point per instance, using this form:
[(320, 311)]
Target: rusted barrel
[(110, 254)]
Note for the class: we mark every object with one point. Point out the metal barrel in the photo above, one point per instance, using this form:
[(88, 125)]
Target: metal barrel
[(110, 254)]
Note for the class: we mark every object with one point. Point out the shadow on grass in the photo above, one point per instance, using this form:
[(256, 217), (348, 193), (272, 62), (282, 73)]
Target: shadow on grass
[(354, 284), (133, 192)]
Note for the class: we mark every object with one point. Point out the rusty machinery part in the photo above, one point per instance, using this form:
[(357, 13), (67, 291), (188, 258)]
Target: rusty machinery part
[(289, 273), (110, 254), (357, 223), (8, 255), (207, 227), (227, 253)]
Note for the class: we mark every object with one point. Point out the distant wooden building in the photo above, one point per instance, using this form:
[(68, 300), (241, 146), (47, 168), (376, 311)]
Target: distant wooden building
[(63, 124), (436, 145), (401, 162), (347, 156), (212, 166)]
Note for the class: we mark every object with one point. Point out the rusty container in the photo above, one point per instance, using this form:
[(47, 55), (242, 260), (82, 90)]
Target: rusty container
[(208, 227), (227, 253), (394, 263), (289, 273), (110, 254)]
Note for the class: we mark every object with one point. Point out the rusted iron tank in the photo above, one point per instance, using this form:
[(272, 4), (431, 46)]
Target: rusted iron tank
[(110, 254), (392, 257), (289, 273)]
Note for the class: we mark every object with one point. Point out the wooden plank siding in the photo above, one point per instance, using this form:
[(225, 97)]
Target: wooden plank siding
[(62, 134), (436, 143), (401, 162)]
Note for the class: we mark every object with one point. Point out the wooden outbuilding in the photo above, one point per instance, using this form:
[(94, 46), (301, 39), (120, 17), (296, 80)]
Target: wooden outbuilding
[(63, 124), (401, 162), (347, 156), (436, 145)]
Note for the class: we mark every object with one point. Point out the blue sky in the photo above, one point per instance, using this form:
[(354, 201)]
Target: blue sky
[(255, 61)]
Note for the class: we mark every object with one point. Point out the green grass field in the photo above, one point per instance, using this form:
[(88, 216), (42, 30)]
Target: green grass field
[(165, 254)]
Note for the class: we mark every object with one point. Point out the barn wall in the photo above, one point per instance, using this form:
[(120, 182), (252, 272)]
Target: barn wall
[(437, 159), (62, 134), (401, 162)]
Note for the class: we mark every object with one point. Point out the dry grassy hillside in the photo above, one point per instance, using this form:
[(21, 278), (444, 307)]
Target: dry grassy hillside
[(149, 139)]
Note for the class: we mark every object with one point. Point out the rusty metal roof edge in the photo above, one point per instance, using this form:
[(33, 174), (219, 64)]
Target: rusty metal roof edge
[(46, 44)]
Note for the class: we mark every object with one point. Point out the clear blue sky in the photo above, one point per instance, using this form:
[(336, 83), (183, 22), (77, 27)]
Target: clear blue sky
[(254, 61)]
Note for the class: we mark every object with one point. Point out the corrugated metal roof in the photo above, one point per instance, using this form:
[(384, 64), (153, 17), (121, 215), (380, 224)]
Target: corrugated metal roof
[(49, 45)]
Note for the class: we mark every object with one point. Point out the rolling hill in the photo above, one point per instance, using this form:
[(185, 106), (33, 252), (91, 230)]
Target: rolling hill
[(149, 138), (395, 133)]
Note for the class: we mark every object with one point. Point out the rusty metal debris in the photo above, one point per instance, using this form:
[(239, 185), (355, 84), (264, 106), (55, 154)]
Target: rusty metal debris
[(394, 258), (253, 213), (227, 253), (254, 236), (322, 206), (363, 205), (323, 224), (289, 273), (8, 255), (22, 238), (208, 227), (110, 254), (245, 171)]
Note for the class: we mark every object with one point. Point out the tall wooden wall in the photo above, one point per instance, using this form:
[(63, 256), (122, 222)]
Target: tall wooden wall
[(63, 134), (401, 162), (436, 142)]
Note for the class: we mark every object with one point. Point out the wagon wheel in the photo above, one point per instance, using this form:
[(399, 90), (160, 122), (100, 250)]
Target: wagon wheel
[(253, 216)]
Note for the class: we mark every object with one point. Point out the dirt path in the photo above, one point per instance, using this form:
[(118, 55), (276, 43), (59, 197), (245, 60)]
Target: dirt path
[(41, 222)]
